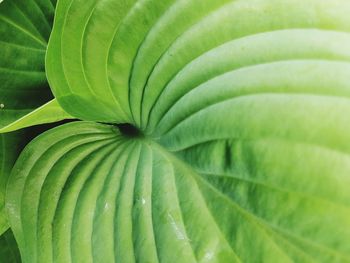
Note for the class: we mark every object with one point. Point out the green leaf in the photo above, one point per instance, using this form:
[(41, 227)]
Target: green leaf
[(48, 113), (25, 27), (233, 142), (84, 192), (8, 248), (113, 75)]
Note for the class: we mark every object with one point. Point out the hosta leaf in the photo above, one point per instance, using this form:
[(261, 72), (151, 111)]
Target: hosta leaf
[(8, 248), (239, 149), (125, 71), (48, 113), (25, 27), (84, 192)]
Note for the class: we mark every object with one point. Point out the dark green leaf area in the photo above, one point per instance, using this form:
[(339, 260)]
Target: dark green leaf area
[(85, 192), (9, 252), (10, 147), (25, 30)]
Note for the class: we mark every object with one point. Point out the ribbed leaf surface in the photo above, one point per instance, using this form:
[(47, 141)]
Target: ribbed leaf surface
[(244, 107), (25, 28), (85, 193)]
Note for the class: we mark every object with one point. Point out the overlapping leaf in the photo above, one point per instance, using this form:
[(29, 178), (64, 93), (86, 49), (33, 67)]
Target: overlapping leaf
[(25, 29), (245, 110)]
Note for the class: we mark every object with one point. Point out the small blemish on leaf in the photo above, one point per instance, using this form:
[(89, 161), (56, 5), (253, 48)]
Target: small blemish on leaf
[(2, 105), (209, 255)]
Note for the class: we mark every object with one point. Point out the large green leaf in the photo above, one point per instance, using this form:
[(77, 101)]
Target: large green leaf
[(239, 149), (121, 64), (25, 28), (83, 192)]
